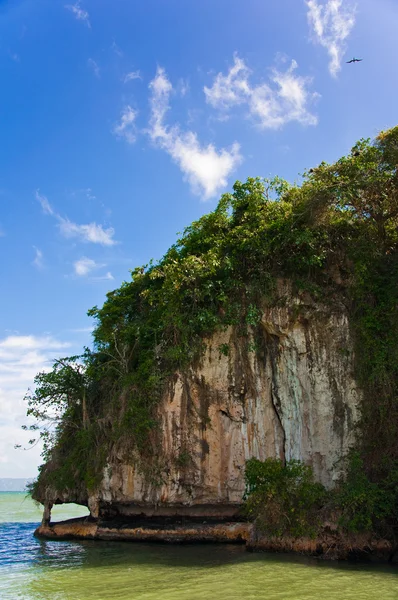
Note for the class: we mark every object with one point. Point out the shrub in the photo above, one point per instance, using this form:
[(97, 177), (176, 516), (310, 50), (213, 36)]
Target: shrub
[(283, 499), (364, 504)]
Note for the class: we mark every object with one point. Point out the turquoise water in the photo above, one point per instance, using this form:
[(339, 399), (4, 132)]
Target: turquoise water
[(32, 569)]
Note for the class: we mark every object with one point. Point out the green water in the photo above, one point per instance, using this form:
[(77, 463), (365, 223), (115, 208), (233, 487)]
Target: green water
[(36, 569), (18, 507)]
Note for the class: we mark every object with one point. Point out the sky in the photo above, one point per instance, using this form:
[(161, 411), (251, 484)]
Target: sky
[(123, 121)]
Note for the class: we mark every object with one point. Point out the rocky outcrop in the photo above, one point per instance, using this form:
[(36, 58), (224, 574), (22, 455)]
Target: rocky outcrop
[(170, 532), (330, 544), (286, 390)]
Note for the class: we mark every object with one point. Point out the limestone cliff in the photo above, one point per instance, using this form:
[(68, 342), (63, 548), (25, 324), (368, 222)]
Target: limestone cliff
[(292, 396), (239, 343)]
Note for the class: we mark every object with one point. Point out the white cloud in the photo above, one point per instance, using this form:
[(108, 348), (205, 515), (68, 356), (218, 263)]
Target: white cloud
[(79, 12), (107, 277), (38, 260), (231, 89), (21, 358), (92, 232), (84, 266), (94, 66), (204, 167), (331, 24), (87, 233), (29, 342), (131, 76), (46, 206), (126, 128), (285, 99)]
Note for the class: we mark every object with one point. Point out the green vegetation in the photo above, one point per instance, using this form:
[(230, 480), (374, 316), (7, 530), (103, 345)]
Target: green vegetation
[(335, 236), (64, 405), (283, 498), (366, 504)]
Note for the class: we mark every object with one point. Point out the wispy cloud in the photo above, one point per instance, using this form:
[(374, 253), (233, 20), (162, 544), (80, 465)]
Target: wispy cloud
[(118, 51), (89, 194), (204, 167), (183, 87), (79, 12), (91, 232), (44, 203), (21, 357), (107, 277), (331, 23), (38, 260), (94, 67), (82, 330), (286, 98), (126, 127), (131, 76)]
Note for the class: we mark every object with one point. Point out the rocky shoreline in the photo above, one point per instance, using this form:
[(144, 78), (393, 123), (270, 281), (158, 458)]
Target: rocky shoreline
[(331, 546), (147, 531)]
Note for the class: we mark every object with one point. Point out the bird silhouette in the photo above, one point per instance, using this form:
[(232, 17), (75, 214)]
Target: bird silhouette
[(354, 60)]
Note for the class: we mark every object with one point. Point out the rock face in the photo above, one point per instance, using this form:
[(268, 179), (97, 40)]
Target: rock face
[(287, 391)]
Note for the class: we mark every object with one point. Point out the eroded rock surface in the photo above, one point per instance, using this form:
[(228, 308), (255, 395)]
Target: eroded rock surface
[(172, 533), (287, 392)]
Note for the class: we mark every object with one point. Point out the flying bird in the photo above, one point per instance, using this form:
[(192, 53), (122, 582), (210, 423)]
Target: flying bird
[(353, 60)]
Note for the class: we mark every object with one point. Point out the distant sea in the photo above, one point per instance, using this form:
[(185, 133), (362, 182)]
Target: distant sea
[(13, 485), (38, 569)]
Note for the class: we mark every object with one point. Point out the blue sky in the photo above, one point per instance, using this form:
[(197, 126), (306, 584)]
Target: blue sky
[(123, 121)]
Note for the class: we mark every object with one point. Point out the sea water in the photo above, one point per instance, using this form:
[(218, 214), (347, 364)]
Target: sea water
[(34, 569)]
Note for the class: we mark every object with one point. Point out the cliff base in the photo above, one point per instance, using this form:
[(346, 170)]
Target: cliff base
[(331, 546), (148, 531)]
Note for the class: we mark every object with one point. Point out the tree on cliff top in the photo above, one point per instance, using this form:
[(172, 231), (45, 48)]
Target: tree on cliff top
[(363, 185)]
